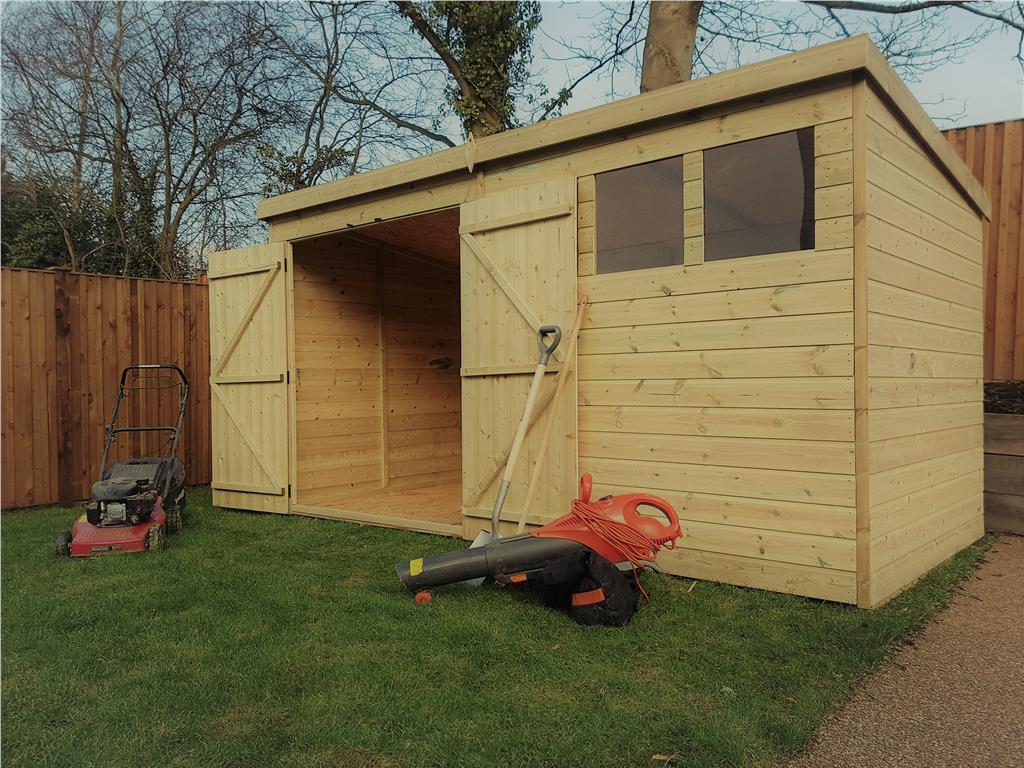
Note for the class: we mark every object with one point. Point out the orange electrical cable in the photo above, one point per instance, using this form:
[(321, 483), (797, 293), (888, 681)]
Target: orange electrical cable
[(637, 547)]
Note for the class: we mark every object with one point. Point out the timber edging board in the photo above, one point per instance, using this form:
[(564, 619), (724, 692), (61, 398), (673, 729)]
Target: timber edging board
[(1004, 472)]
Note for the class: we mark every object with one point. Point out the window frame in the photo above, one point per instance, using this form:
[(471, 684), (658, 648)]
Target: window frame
[(810, 190), (597, 216), (693, 203)]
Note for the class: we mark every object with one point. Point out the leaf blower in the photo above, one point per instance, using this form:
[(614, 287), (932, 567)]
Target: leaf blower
[(585, 561)]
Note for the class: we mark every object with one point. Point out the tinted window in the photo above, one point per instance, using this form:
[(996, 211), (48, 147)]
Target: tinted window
[(759, 196), (639, 216)]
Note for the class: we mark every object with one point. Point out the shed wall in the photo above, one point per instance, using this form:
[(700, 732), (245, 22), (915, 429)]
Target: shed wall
[(925, 327), (372, 410), (727, 387)]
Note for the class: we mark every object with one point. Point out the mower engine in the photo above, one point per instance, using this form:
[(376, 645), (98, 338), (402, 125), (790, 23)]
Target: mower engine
[(128, 492)]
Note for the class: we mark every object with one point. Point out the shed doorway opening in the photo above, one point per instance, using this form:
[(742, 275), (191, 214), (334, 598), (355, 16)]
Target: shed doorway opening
[(378, 394)]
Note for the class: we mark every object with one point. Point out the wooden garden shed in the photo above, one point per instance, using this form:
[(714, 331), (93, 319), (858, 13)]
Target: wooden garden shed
[(783, 263)]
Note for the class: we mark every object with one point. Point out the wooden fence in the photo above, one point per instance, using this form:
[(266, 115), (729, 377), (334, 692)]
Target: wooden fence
[(995, 154), (65, 338)]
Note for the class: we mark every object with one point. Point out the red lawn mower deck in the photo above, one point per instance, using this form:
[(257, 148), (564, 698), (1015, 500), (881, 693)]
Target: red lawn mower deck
[(137, 502), (88, 539)]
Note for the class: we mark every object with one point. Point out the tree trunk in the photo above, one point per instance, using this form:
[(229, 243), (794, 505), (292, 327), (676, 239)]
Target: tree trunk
[(117, 202), (668, 50), (83, 113), (486, 120)]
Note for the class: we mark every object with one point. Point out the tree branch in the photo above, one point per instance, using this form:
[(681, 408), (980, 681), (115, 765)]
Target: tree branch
[(421, 25), (361, 101), (617, 50), (978, 9)]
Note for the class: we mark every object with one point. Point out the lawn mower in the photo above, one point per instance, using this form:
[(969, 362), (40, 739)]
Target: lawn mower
[(136, 502), (580, 562)]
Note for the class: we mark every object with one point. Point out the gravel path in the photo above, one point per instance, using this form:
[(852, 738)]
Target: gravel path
[(953, 698)]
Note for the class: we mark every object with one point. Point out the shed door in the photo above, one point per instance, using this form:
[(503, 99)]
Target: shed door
[(518, 272), (248, 377)]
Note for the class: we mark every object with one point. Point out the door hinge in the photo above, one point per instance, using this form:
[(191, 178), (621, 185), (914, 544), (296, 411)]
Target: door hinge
[(289, 490), (288, 377)]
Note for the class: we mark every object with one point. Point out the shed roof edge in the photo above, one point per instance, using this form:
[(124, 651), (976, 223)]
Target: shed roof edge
[(824, 61)]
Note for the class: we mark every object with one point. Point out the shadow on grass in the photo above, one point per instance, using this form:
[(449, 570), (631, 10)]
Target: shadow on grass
[(286, 641)]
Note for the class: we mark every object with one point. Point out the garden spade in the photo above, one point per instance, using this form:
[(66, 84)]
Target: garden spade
[(546, 350)]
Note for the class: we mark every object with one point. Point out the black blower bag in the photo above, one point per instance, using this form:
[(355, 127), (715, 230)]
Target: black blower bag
[(590, 587)]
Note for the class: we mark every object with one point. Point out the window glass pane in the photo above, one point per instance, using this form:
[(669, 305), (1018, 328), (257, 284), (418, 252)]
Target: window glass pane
[(759, 196), (639, 216)]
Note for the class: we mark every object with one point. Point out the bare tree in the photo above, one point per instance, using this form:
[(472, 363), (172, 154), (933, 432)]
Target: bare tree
[(655, 39), (312, 40), (671, 38), (173, 118), (356, 101), (63, 91), (160, 104), (180, 115)]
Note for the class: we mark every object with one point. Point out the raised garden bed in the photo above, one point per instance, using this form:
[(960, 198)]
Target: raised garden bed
[(1004, 456)]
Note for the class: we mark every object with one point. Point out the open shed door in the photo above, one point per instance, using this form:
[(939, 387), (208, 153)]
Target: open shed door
[(518, 272), (248, 377)]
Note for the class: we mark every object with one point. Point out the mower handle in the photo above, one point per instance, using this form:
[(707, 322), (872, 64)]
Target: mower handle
[(112, 430), (151, 366), (545, 350)]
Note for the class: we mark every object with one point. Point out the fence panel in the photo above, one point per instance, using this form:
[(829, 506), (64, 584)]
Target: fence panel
[(995, 154), (65, 338)]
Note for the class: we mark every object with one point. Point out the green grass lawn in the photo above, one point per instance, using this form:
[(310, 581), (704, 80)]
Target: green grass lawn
[(257, 640)]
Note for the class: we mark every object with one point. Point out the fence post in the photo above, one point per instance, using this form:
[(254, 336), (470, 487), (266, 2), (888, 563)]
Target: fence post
[(65, 459)]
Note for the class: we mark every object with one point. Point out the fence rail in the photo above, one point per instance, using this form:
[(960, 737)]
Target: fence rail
[(995, 155), (65, 338)]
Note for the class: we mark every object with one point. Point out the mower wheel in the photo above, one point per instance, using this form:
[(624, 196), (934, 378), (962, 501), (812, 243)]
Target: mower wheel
[(62, 544), (156, 539), (175, 519)]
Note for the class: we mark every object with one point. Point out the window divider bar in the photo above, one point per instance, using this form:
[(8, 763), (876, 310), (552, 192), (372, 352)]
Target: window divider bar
[(693, 208)]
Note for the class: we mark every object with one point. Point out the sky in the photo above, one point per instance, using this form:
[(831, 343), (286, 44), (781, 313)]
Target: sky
[(986, 86), (987, 83)]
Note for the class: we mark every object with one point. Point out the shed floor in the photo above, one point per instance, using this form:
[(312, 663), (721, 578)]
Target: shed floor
[(434, 504)]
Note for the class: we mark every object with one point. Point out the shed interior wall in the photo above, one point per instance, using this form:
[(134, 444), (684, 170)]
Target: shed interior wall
[(377, 390), (925, 327)]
